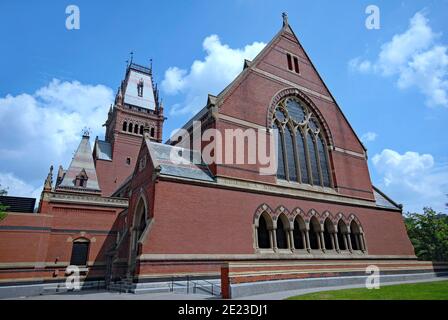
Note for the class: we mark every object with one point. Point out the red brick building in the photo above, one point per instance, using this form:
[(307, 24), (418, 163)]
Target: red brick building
[(129, 213)]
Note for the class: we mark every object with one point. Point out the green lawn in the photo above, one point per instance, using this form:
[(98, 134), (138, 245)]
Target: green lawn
[(413, 291)]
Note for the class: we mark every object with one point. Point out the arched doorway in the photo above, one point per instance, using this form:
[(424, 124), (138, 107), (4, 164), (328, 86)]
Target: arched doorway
[(139, 225)]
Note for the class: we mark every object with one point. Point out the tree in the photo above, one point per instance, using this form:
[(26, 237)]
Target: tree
[(429, 234), (3, 191), (3, 208)]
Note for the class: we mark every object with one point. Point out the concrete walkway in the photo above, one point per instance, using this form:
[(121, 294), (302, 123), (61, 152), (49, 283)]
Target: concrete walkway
[(106, 295)]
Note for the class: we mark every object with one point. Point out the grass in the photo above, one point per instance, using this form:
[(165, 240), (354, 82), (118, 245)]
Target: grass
[(412, 291)]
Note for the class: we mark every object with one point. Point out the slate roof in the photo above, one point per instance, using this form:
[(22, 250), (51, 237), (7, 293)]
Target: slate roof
[(162, 155), (103, 150), (384, 201), (81, 160)]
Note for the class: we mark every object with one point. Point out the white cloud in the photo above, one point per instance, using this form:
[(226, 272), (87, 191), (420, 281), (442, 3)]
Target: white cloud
[(17, 187), (412, 178), (369, 137), (44, 128), (219, 67), (415, 59)]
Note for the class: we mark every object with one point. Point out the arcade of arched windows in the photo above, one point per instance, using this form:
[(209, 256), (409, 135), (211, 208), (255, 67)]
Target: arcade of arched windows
[(136, 128), (284, 231)]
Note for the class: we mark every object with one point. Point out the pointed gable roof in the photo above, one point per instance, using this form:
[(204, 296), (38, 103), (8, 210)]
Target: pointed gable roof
[(82, 163), (285, 31)]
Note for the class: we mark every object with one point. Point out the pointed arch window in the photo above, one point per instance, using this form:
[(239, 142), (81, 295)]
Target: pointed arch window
[(281, 167), (140, 88), (323, 161), (282, 233), (301, 146), (290, 154), (302, 157), (313, 158), (263, 236), (299, 233)]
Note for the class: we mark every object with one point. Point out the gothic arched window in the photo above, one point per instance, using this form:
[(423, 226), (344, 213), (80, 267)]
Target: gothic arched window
[(290, 154), (281, 167), (263, 237), (130, 127), (310, 143), (299, 233), (342, 232), (282, 232), (302, 149), (356, 236)]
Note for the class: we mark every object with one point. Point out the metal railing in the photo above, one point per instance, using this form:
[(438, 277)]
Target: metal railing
[(193, 286), (205, 287)]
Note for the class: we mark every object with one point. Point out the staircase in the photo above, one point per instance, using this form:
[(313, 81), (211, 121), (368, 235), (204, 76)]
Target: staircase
[(210, 286)]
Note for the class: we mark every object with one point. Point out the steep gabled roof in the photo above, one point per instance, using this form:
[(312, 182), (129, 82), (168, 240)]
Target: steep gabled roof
[(82, 162), (249, 65)]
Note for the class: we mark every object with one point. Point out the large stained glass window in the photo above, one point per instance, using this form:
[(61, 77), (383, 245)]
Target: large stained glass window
[(297, 125)]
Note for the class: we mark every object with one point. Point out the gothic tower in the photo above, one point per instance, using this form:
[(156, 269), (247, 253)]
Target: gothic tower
[(136, 106)]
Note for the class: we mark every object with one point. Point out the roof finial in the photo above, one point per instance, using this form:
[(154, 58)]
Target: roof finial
[(86, 132), (49, 181), (285, 19), (132, 57)]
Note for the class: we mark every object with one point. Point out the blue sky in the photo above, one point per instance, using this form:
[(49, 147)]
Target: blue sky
[(54, 81)]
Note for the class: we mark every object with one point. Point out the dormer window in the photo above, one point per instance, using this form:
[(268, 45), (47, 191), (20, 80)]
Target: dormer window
[(140, 88), (81, 179)]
